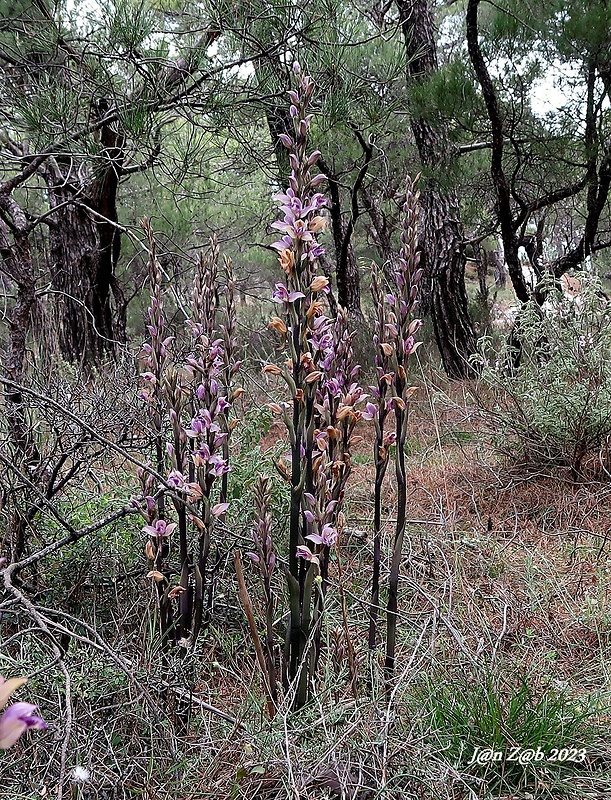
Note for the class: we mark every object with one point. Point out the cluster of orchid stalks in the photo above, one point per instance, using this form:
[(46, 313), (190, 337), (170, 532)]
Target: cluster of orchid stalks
[(189, 395), (189, 399), (326, 402)]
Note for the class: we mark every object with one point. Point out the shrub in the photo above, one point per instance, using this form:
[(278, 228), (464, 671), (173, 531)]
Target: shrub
[(547, 396)]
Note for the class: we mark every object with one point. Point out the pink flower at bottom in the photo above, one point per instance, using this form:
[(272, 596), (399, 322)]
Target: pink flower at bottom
[(16, 720)]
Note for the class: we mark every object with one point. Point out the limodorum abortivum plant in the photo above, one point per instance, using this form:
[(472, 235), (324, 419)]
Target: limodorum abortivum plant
[(189, 396), (394, 343), (321, 382)]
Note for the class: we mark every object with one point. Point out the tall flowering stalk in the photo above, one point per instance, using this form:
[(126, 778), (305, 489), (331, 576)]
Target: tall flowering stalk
[(264, 557), (321, 379), (212, 368), (231, 364), (153, 510), (394, 342), (189, 400), (378, 412)]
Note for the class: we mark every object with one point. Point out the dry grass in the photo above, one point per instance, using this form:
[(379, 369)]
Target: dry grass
[(500, 573), (502, 576)]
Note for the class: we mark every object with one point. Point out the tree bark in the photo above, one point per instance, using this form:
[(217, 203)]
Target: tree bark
[(84, 248), (444, 289), (481, 261), (500, 275), (443, 245), (17, 263), (347, 278)]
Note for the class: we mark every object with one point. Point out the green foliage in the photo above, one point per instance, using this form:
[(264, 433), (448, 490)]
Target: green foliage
[(87, 569), (449, 93), (250, 461), (129, 23), (466, 718), (553, 407)]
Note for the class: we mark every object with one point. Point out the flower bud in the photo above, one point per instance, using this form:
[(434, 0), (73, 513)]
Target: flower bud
[(287, 261), (317, 224), (319, 283), (278, 325), (271, 369), (317, 180)]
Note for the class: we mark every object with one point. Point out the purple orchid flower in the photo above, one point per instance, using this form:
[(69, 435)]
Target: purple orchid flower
[(19, 717), (303, 551), (217, 466), (161, 529), (370, 412), (328, 536), (282, 295), (198, 427), (282, 244), (201, 423), (176, 479), (16, 720), (201, 455)]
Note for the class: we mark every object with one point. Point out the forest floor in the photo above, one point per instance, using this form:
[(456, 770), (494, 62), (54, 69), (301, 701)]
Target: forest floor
[(504, 600), (504, 642)]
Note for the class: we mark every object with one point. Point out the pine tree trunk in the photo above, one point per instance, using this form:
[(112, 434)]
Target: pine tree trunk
[(443, 246), (443, 289), (84, 248), (17, 261)]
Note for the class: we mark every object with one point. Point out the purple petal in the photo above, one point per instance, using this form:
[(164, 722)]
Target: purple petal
[(15, 721), (303, 551)]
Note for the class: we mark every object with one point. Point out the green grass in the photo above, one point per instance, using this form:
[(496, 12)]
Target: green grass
[(465, 718)]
